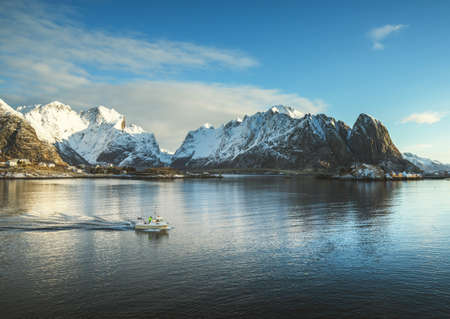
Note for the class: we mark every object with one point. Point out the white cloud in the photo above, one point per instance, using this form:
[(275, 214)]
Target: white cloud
[(377, 35), (424, 118), (33, 34)]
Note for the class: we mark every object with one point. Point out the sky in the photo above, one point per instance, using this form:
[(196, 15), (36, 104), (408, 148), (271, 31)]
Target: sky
[(171, 66)]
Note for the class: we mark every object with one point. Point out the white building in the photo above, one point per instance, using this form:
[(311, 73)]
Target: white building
[(12, 162)]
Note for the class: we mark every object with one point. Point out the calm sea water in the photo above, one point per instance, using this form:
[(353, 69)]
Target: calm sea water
[(255, 246)]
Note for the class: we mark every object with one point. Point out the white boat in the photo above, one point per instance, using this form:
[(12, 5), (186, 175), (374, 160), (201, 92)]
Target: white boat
[(157, 223)]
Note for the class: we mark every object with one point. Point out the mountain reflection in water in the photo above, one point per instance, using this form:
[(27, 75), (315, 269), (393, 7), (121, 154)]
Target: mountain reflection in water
[(258, 246)]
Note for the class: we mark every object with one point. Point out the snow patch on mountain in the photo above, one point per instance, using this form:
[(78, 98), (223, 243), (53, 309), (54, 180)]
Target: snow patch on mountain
[(6, 109), (426, 164)]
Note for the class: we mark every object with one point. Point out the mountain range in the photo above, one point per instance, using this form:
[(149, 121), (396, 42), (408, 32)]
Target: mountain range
[(425, 164), (284, 138), (280, 137)]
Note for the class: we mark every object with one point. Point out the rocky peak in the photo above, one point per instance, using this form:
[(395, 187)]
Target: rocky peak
[(18, 139), (52, 107), (371, 143), (103, 115), (290, 111), (54, 121), (57, 106), (370, 140)]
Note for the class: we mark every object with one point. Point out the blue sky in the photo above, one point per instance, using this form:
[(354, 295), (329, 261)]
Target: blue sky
[(171, 66)]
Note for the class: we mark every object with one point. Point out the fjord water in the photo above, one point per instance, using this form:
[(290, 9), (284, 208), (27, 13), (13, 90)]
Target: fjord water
[(257, 246)]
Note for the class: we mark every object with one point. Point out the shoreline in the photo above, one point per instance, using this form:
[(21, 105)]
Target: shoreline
[(209, 174), (380, 179), (108, 176)]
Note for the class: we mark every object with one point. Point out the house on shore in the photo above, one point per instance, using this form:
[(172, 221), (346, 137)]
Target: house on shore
[(43, 164), (12, 162)]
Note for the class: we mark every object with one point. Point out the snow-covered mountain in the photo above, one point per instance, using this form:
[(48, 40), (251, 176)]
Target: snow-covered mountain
[(426, 164), (281, 137), (97, 135), (284, 138)]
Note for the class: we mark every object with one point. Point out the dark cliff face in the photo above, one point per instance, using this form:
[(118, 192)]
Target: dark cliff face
[(371, 143), (69, 155), (19, 140), (116, 153)]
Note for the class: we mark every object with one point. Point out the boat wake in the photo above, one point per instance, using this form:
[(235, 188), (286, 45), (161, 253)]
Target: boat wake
[(56, 222)]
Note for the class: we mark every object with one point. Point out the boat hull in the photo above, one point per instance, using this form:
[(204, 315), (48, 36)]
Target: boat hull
[(151, 227)]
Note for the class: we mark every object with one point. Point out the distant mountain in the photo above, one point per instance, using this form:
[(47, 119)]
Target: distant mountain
[(94, 136), (18, 139), (284, 138), (426, 164)]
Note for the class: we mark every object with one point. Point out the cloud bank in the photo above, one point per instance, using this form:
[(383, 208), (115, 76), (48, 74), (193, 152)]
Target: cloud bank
[(46, 55), (424, 118), (377, 35)]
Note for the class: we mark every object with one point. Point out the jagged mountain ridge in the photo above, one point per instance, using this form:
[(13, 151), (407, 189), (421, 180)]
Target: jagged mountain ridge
[(94, 136), (18, 139), (281, 138), (426, 164)]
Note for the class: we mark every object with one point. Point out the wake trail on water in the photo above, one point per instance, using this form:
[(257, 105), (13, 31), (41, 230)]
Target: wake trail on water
[(60, 221)]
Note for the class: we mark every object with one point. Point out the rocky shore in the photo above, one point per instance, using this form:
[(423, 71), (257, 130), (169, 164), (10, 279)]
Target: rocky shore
[(59, 172)]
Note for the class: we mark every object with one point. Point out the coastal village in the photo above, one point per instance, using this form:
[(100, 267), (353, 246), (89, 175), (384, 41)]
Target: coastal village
[(373, 172), (23, 168)]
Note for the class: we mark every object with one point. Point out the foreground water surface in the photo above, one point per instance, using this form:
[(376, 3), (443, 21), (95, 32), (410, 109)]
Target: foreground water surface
[(256, 246)]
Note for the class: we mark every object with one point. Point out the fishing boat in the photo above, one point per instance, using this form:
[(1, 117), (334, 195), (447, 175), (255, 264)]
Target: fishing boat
[(157, 223)]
